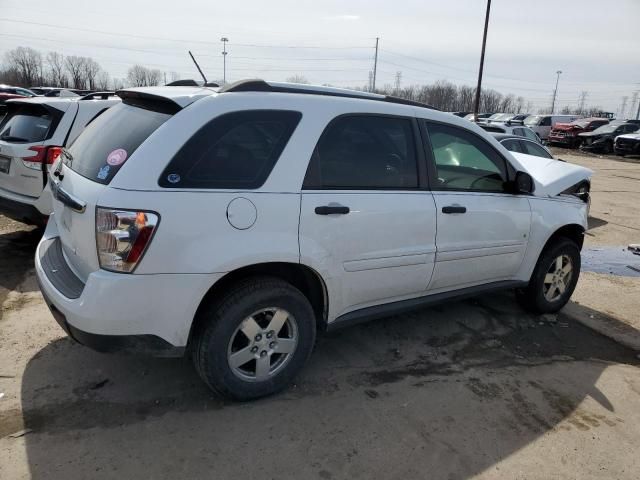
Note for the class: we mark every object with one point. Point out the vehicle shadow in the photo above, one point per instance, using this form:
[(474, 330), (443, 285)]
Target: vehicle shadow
[(595, 222), (445, 392), (17, 249)]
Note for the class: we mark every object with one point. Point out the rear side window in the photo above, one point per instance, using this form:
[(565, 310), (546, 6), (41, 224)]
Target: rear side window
[(512, 145), (235, 150), (535, 149), (365, 152), (109, 140), (28, 124)]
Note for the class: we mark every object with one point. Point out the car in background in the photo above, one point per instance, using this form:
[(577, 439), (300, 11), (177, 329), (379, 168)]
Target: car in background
[(567, 134), (56, 92), (601, 139), (8, 92), (481, 116), (460, 114), (542, 124), (627, 144), (519, 144), (509, 129), (32, 136)]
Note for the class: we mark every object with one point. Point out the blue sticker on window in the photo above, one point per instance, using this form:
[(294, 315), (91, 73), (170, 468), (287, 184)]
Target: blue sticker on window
[(104, 172), (173, 178)]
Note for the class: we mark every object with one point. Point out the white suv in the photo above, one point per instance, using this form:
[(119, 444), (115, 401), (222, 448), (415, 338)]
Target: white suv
[(32, 135), (231, 224)]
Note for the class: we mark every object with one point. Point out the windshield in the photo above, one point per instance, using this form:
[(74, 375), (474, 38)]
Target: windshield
[(606, 129), (496, 116), (107, 142), (533, 120), (27, 124)]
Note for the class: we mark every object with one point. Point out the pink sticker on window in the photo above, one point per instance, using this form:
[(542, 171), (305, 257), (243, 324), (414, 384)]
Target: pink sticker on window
[(117, 157)]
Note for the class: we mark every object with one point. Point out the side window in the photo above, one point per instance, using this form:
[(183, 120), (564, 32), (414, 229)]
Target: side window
[(530, 134), (519, 132), (512, 145), (234, 150), (464, 161), (365, 152), (535, 149), (546, 122)]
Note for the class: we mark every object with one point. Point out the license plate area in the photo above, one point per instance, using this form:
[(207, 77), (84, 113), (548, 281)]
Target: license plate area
[(5, 164)]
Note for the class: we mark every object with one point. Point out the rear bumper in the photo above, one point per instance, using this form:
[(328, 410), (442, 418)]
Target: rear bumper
[(562, 140), (21, 211), (149, 314)]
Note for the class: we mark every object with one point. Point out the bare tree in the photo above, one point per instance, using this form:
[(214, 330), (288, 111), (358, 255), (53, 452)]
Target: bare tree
[(154, 77), (56, 75), (102, 81), (173, 76), (297, 78), (27, 62), (140, 76), (91, 70), (76, 69)]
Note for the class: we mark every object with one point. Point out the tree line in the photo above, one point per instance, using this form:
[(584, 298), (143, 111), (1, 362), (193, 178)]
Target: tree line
[(27, 67)]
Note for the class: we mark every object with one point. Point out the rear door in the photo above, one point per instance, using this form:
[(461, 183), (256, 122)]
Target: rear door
[(367, 223), (482, 230), (23, 132)]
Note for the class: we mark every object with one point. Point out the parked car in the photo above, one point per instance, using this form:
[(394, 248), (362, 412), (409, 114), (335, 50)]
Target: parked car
[(542, 124), (8, 92), (56, 91), (32, 135), (232, 224), (601, 139), (481, 116), (517, 143), (566, 134), (510, 129), (460, 114), (627, 144)]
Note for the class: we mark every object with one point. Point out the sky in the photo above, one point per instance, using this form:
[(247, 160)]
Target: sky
[(595, 43)]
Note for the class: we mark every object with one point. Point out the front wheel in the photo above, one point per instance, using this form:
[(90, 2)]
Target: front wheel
[(554, 278), (254, 340)]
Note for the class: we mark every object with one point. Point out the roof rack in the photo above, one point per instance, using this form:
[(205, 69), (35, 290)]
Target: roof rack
[(257, 85), (100, 95)]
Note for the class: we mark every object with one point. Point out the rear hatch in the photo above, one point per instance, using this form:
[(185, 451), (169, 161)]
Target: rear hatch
[(23, 132), (86, 168)]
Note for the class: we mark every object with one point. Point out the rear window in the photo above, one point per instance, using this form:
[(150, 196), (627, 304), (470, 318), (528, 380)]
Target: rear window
[(27, 124), (234, 150), (109, 140)]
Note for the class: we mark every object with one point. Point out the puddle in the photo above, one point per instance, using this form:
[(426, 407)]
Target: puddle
[(611, 260)]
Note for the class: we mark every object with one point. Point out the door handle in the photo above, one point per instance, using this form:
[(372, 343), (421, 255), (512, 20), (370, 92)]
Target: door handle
[(454, 209), (332, 209)]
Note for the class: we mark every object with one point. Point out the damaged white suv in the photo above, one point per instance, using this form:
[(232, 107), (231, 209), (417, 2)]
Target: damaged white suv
[(231, 224)]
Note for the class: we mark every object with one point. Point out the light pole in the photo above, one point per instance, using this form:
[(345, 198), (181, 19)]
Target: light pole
[(555, 92), (224, 41), (476, 104)]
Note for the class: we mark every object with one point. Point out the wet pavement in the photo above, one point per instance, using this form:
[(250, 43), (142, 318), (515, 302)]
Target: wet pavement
[(618, 261)]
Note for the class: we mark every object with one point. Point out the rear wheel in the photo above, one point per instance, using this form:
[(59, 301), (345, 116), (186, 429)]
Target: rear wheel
[(554, 278), (255, 339), (607, 148)]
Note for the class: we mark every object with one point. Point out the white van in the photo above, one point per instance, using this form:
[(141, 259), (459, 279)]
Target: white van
[(542, 124)]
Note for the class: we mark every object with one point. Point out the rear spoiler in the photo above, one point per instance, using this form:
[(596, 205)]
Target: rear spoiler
[(148, 101)]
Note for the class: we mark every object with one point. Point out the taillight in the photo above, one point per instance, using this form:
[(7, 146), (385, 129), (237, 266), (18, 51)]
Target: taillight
[(43, 154), (122, 237)]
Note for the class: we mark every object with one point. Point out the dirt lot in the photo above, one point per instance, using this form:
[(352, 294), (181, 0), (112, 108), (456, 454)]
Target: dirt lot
[(469, 389)]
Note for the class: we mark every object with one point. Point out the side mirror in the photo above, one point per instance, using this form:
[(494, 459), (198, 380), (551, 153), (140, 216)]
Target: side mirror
[(524, 183)]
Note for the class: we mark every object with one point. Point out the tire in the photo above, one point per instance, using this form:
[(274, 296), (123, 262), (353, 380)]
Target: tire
[(249, 307), (533, 297), (608, 148)]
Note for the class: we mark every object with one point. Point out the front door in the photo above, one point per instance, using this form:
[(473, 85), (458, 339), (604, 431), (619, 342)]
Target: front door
[(482, 230), (367, 224)]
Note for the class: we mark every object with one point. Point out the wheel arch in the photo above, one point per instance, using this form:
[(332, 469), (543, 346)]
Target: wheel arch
[(303, 277), (572, 231)]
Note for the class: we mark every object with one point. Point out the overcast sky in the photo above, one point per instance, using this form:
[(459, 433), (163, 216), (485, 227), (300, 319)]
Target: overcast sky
[(596, 43)]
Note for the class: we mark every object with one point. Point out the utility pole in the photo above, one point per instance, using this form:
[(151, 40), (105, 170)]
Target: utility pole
[(165, 78), (224, 41), (623, 107), (398, 80), (371, 80), (375, 65), (555, 92), (476, 104)]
